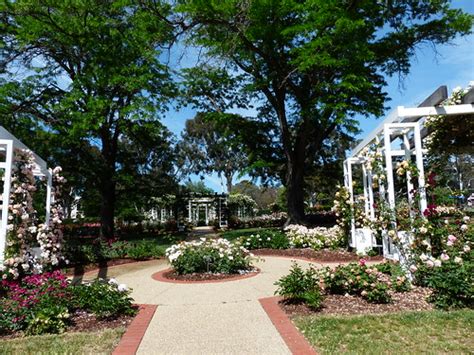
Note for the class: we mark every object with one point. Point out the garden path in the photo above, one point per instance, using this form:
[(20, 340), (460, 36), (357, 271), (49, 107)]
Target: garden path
[(210, 318)]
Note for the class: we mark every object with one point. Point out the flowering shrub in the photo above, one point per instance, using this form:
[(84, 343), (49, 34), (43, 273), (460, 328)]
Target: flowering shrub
[(43, 303), (265, 239), (28, 303), (301, 286), (23, 231), (316, 238), (103, 298), (50, 236), (359, 280), (444, 260), (208, 255), (264, 221)]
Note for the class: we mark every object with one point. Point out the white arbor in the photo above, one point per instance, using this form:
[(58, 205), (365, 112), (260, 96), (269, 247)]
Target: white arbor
[(8, 143), (400, 134)]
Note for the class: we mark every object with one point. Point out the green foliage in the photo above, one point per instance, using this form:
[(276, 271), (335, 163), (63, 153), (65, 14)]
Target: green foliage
[(453, 285), (104, 299), (208, 255), (93, 77), (265, 239), (369, 282), (313, 66), (301, 286), (52, 318)]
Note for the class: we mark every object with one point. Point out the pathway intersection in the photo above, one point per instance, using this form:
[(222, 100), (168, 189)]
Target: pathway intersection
[(207, 318)]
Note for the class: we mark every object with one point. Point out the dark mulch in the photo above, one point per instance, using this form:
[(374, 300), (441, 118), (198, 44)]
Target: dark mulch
[(173, 275), (81, 321), (415, 300), (325, 255)]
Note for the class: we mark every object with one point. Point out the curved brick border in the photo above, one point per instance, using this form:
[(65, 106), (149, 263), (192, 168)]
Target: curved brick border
[(159, 276), (296, 342), (135, 331)]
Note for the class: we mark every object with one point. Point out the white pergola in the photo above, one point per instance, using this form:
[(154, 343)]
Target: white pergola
[(405, 126), (8, 142), (195, 205)]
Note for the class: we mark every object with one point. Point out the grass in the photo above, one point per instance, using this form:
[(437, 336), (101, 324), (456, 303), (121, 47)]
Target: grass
[(237, 233), (432, 332), (101, 342)]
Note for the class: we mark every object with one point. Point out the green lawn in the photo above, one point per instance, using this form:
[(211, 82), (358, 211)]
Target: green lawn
[(237, 233), (432, 332), (101, 342)]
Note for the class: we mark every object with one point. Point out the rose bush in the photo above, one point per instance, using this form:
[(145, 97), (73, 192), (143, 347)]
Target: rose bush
[(265, 239), (44, 303), (316, 238), (209, 255)]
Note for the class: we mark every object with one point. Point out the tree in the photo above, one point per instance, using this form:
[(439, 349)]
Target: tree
[(90, 71), (316, 64), (264, 196), (198, 187), (207, 146)]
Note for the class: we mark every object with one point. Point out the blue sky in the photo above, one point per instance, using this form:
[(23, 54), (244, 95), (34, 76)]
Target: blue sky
[(451, 65)]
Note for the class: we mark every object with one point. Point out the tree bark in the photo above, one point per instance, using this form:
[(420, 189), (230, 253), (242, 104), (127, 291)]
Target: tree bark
[(107, 209), (295, 193), (228, 181)]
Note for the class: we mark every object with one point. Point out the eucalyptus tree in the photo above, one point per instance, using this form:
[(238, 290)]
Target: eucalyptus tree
[(90, 71), (316, 64)]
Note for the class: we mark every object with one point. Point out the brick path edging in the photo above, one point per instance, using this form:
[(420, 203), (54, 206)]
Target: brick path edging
[(160, 276), (296, 342), (135, 331)]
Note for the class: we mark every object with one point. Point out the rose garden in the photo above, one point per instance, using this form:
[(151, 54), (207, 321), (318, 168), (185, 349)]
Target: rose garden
[(111, 242)]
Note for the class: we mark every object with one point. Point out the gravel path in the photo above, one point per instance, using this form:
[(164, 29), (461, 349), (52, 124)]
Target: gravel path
[(215, 318)]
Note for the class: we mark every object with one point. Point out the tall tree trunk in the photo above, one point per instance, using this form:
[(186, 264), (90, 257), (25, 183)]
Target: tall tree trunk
[(228, 181), (295, 193), (107, 209)]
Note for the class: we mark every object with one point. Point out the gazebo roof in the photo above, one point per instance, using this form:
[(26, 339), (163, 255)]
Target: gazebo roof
[(41, 166)]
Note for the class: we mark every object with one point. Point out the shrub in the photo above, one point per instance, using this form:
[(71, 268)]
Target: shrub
[(208, 255), (300, 286), (42, 303), (453, 285), (265, 239), (104, 299), (359, 280), (315, 238)]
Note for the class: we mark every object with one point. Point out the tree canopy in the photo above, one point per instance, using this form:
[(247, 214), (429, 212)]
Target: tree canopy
[(91, 72), (315, 64)]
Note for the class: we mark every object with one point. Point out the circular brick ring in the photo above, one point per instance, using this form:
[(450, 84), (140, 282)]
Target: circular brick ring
[(161, 276)]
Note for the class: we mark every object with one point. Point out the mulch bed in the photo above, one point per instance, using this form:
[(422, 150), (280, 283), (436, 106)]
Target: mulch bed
[(81, 321), (173, 275), (414, 300), (326, 255)]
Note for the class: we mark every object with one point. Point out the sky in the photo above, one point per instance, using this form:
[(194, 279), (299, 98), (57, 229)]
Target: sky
[(451, 65)]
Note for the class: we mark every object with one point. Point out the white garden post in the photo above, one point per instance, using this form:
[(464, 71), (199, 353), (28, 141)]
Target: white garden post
[(366, 190), (420, 167), (7, 166), (389, 166), (49, 197), (406, 146), (190, 217)]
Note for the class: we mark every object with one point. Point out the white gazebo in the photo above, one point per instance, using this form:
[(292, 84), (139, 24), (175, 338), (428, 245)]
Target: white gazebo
[(8, 143), (404, 127)]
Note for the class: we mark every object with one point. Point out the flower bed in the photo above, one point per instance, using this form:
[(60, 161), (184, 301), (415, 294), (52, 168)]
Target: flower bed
[(209, 256), (316, 238), (48, 303), (375, 284)]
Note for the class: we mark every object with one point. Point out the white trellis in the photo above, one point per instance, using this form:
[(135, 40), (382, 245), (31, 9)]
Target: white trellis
[(406, 126), (8, 143)]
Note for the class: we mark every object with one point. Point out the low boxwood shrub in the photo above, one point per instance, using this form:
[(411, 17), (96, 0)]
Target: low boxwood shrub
[(208, 255), (301, 286)]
